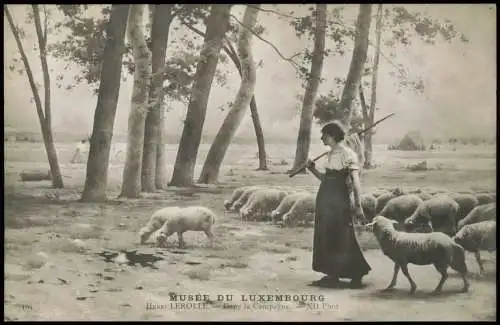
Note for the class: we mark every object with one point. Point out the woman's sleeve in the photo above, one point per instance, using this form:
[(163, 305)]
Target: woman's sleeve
[(351, 160)]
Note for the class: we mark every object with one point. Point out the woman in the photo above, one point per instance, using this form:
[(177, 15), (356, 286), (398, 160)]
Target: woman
[(336, 250)]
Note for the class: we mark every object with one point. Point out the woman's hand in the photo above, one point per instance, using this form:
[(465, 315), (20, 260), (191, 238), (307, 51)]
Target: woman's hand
[(310, 164), (360, 215)]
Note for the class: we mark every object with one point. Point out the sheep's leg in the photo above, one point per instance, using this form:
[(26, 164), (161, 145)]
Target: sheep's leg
[(444, 275), (394, 277), (413, 285), (181, 240), (478, 259), (210, 236)]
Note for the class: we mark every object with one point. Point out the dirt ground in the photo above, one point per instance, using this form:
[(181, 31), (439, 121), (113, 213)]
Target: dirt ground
[(69, 281)]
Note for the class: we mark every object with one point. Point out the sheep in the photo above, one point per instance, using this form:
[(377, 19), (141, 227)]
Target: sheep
[(302, 210), (476, 237), (156, 221), (243, 199), (235, 196), (484, 198), (466, 203), (401, 207), (379, 192), (369, 205), (192, 218), (440, 211), (424, 196), (262, 202), (285, 205), (420, 249), (383, 199), (480, 213)]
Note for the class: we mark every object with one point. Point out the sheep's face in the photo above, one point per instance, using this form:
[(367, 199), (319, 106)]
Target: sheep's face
[(380, 222), (227, 205)]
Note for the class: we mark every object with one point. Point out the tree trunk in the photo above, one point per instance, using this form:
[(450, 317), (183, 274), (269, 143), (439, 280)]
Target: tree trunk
[(359, 55), (131, 187), (259, 134), (44, 119), (96, 179), (306, 116), (150, 178), (211, 168), (373, 100), (217, 25), (367, 136)]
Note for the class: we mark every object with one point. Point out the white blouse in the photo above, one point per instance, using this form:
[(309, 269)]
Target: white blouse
[(341, 157)]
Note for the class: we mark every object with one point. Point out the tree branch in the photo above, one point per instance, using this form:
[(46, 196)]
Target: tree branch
[(290, 59), (45, 24)]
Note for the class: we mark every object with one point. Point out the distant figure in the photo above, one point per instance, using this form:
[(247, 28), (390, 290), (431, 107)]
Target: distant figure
[(80, 152)]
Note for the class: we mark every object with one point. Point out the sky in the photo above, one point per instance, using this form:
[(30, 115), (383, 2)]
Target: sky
[(459, 79)]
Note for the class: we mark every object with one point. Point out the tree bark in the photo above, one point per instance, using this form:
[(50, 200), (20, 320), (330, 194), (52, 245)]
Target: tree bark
[(218, 149), (359, 55), (153, 177), (131, 186), (96, 179), (44, 119), (373, 100), (306, 116), (217, 25)]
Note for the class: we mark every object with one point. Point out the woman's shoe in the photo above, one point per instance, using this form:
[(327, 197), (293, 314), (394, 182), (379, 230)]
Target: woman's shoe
[(327, 282)]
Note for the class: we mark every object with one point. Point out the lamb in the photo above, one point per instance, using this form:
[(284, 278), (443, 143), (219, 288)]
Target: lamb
[(243, 199), (262, 202), (401, 207), (156, 221), (440, 211), (285, 205), (192, 218), (466, 203), (235, 196), (484, 198), (476, 237), (369, 205), (302, 210), (420, 249), (480, 213)]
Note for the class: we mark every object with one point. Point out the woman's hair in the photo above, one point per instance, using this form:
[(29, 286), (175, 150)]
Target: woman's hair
[(334, 130)]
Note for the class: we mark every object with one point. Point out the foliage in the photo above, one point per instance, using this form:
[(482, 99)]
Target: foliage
[(327, 108)]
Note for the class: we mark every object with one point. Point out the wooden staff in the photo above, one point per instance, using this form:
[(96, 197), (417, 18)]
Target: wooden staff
[(326, 152)]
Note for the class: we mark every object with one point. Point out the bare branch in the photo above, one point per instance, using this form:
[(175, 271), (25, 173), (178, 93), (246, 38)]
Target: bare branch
[(290, 59)]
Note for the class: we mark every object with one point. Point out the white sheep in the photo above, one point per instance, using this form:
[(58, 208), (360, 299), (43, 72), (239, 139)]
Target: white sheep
[(466, 203), (420, 249), (285, 205), (261, 203), (440, 211), (369, 205), (476, 237), (401, 207), (479, 213), (236, 195), (302, 210), (155, 222), (192, 218), (383, 199), (243, 199)]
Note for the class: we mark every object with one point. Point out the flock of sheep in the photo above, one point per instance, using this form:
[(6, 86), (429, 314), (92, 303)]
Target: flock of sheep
[(412, 227)]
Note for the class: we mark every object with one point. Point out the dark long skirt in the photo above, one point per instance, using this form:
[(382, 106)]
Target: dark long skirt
[(336, 250)]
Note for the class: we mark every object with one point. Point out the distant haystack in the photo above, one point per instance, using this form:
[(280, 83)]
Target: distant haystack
[(412, 140)]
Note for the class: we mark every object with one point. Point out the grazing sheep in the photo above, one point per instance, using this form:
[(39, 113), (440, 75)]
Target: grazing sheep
[(419, 249), (261, 203), (155, 222), (401, 207), (302, 210), (193, 218), (285, 205), (484, 198), (440, 211), (383, 199), (466, 203), (476, 237), (480, 213), (235, 196), (243, 199), (369, 205)]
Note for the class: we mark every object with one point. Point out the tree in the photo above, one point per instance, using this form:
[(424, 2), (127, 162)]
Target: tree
[(131, 185), (43, 111), (217, 151), (217, 25), (153, 158), (314, 79), (104, 117)]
